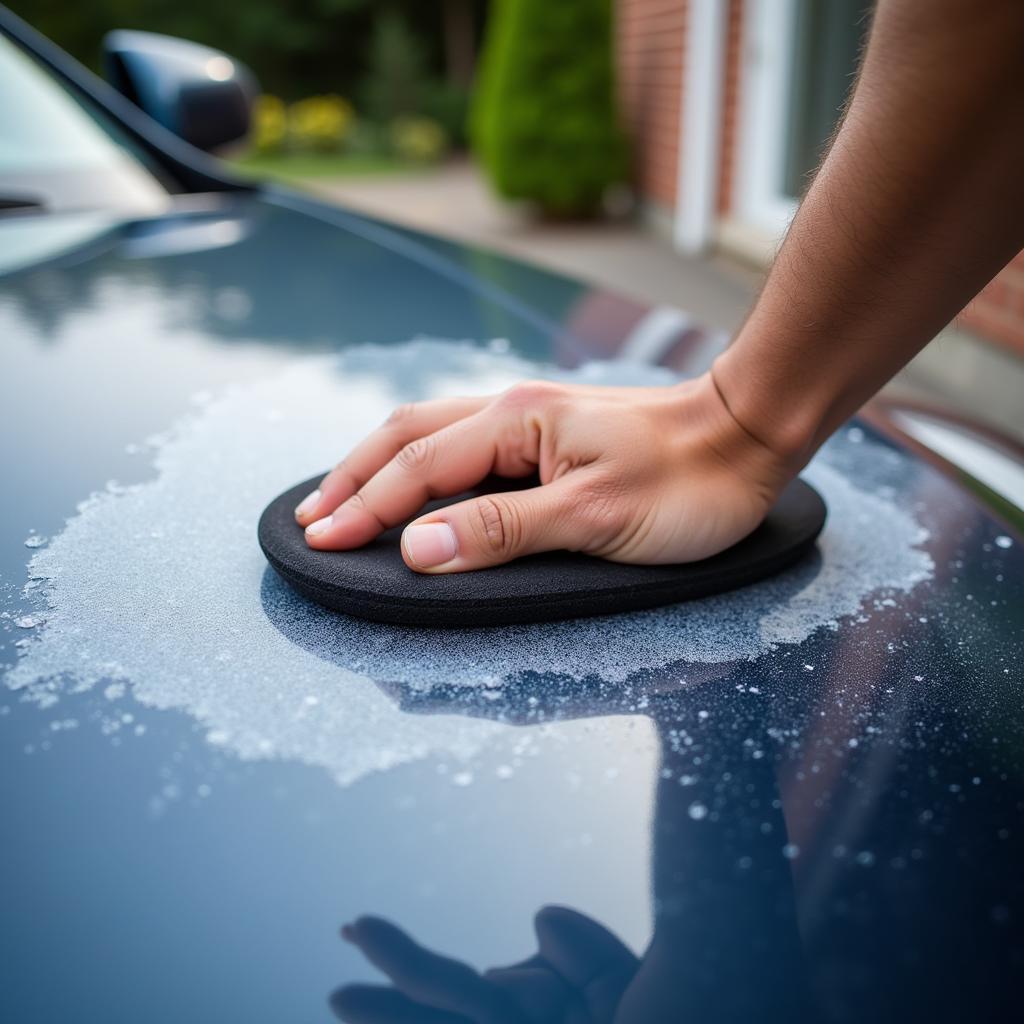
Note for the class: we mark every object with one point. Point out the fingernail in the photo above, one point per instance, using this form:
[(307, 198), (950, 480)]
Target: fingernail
[(308, 503), (315, 529), (430, 544)]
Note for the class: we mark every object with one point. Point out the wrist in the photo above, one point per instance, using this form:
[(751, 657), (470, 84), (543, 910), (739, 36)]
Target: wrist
[(782, 416), (732, 443)]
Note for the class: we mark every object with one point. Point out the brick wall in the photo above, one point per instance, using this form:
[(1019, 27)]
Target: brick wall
[(650, 37), (730, 105), (649, 48)]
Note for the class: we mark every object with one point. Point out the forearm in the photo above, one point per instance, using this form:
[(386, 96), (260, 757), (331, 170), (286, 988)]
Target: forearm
[(918, 204)]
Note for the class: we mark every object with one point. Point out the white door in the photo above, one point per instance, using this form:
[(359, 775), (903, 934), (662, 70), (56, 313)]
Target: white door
[(799, 59)]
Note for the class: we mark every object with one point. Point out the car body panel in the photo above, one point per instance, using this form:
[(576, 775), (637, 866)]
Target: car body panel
[(829, 830), (148, 899)]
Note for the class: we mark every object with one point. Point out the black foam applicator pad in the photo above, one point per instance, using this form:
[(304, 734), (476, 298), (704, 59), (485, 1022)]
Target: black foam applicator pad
[(373, 582)]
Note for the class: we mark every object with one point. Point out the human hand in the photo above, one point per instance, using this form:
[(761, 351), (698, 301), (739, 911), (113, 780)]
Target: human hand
[(577, 976), (643, 475)]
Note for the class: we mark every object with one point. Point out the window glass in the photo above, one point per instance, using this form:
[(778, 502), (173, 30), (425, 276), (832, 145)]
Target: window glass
[(826, 50), (55, 153)]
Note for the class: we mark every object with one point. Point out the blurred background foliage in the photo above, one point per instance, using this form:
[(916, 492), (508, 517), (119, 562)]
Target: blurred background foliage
[(297, 48), (368, 85), (545, 122), (370, 80)]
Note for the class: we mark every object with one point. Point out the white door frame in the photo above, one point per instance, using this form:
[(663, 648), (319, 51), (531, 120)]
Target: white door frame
[(766, 68), (700, 126)]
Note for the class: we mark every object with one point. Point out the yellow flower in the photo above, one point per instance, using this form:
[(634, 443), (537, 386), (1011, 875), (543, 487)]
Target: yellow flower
[(320, 122), (269, 126)]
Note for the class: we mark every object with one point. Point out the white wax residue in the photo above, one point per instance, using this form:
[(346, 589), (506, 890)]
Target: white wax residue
[(162, 585)]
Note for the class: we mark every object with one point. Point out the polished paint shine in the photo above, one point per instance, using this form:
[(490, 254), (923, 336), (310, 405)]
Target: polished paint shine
[(832, 830)]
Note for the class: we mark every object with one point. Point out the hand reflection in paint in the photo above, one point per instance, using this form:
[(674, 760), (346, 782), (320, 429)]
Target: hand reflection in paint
[(579, 974), (725, 941)]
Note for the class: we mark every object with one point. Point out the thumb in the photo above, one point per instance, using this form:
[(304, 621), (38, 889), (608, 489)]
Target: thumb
[(496, 528)]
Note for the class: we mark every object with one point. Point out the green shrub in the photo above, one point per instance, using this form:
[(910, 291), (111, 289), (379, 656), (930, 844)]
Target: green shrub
[(397, 71), (448, 104), (544, 122), (366, 138)]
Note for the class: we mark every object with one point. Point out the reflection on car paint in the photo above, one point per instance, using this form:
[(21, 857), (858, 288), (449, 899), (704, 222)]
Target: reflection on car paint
[(162, 573), (864, 782)]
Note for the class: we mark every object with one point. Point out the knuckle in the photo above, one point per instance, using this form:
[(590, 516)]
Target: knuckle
[(400, 414), (511, 446), (416, 456), (530, 394), (343, 473), (358, 503), (496, 526)]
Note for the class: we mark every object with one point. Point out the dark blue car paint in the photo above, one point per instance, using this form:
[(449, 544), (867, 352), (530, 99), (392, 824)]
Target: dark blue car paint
[(903, 901)]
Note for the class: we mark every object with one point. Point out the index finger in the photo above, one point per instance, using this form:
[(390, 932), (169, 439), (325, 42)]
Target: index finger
[(427, 977), (405, 424), (435, 466)]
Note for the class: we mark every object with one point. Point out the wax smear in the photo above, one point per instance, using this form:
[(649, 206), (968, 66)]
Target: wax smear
[(162, 585)]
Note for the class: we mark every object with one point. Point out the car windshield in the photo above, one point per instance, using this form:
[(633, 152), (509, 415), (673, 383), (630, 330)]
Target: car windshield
[(55, 154)]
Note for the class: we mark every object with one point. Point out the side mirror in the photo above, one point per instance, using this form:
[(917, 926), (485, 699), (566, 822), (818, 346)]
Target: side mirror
[(200, 94)]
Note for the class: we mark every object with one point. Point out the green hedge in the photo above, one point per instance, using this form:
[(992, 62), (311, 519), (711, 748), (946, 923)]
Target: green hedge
[(544, 121)]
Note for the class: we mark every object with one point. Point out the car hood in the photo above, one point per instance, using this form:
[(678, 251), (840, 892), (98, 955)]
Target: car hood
[(277, 267), (800, 800)]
